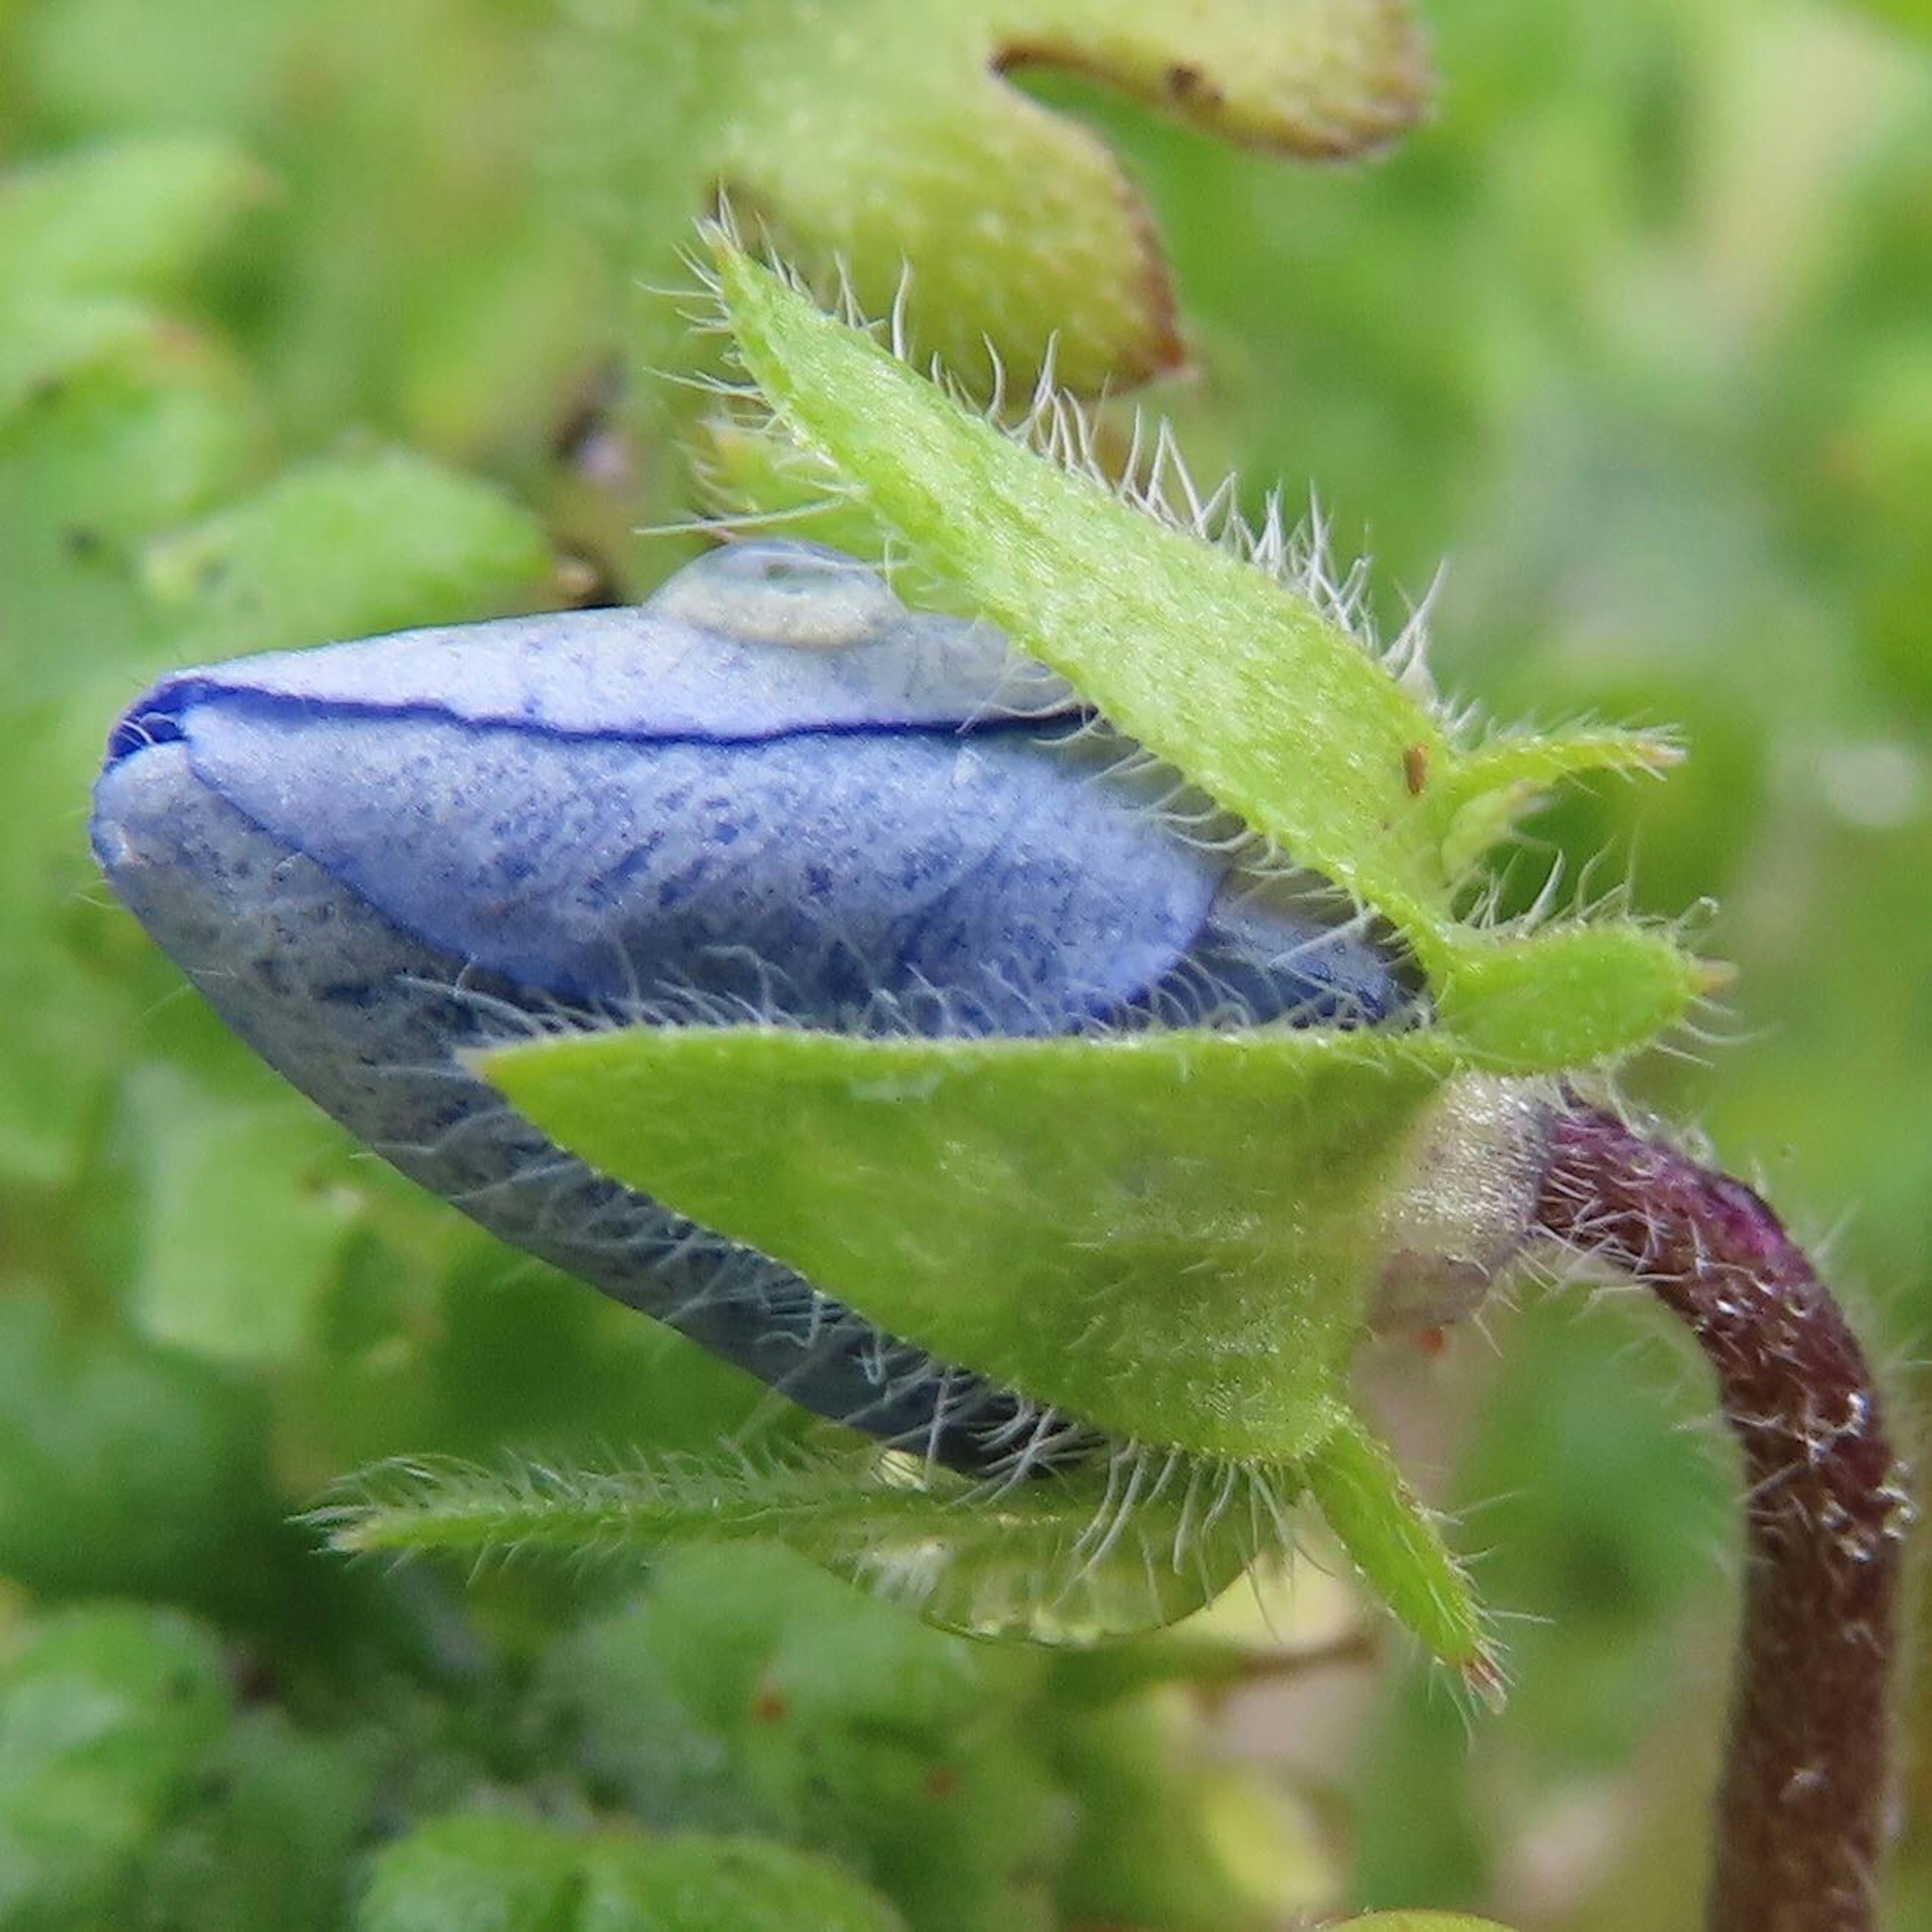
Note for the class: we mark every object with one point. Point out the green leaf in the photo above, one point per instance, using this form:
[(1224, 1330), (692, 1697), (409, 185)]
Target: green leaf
[(140, 1694), (113, 421), (107, 1716), (347, 547), (115, 424), (95, 460), (1169, 1838), (476, 1873), (65, 956), (1915, 14), (270, 1841), (746, 1690), (122, 1468), (247, 1213), (898, 139), (87, 240), (696, 1884), (129, 217)]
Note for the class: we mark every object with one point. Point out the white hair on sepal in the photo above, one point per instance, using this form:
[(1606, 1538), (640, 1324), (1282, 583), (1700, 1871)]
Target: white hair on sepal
[(1158, 482), (1708, 1021), (1152, 477)]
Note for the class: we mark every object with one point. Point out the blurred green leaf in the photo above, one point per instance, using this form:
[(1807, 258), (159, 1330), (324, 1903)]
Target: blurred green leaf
[(483, 1873), (748, 1690), (132, 218), (106, 1718), (1167, 1838), (123, 1469), (479, 1873), (115, 423), (347, 547), (52, 1070), (1916, 13), (93, 462), (724, 1884), (270, 1178), (896, 140), (280, 1817)]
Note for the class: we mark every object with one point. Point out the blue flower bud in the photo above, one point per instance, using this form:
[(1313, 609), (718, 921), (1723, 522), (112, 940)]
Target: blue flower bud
[(771, 793)]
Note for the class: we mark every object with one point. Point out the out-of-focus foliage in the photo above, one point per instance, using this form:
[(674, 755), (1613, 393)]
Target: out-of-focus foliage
[(480, 1871), (138, 1787), (314, 320)]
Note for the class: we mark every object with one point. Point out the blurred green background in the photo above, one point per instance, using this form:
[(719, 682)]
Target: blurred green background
[(1636, 332)]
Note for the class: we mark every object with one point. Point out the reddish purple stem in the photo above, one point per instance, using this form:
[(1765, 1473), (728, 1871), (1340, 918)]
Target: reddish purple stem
[(1802, 1813)]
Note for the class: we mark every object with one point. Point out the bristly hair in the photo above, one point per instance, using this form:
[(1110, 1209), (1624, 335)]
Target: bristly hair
[(1140, 464), (903, 1531), (1150, 475)]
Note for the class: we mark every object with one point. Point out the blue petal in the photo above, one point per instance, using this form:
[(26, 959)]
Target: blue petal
[(839, 812), (849, 866)]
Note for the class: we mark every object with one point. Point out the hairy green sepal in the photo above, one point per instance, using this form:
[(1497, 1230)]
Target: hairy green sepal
[(1241, 684), (1169, 1237), (1048, 1561)]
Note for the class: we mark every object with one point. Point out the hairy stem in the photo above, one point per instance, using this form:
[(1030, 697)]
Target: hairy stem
[(1801, 1810)]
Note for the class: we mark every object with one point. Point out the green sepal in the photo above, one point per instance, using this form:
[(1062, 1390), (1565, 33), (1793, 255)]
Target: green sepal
[(1393, 1541), (1567, 996), (1170, 1236), (749, 476), (1494, 785), (1541, 759), (1108, 597), (1049, 1559), (1241, 683)]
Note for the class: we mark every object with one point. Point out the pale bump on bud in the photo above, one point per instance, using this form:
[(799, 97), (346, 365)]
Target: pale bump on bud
[(1464, 1208)]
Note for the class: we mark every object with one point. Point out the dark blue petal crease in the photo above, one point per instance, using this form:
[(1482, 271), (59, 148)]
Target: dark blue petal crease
[(771, 792)]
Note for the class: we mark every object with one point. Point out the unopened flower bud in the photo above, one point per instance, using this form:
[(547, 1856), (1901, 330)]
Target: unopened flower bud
[(772, 794)]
